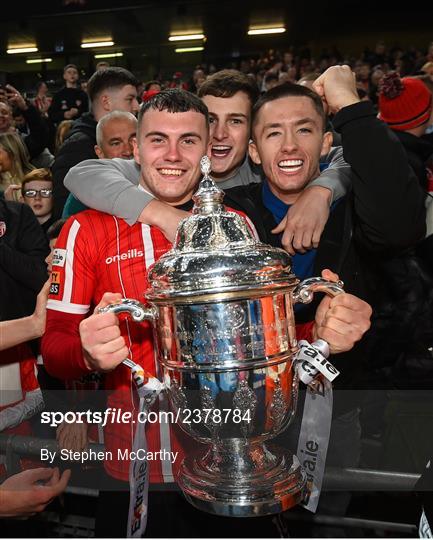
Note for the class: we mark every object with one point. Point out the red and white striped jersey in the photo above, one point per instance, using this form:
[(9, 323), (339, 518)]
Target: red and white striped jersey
[(97, 253)]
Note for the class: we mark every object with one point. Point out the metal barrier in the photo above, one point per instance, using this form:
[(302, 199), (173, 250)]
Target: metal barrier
[(335, 479), (349, 479)]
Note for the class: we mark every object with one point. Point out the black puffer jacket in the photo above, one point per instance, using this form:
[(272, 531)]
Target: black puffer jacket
[(419, 150), (23, 248), (78, 146), (402, 325)]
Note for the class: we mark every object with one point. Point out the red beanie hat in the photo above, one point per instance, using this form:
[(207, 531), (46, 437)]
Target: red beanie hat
[(404, 103), (149, 94)]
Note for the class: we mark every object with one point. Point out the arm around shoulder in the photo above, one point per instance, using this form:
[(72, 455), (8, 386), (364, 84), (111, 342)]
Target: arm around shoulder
[(109, 185)]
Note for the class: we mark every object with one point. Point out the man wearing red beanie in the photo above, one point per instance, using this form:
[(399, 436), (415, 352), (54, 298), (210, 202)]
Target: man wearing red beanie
[(406, 106)]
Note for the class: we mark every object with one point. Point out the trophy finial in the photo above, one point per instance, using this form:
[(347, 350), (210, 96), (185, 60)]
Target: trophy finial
[(205, 166), (208, 197)]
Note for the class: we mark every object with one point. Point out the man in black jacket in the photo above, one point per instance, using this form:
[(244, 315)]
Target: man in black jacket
[(382, 216), (23, 248), (111, 89), (404, 317)]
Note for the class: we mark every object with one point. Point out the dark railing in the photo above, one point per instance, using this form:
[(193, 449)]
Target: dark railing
[(335, 479)]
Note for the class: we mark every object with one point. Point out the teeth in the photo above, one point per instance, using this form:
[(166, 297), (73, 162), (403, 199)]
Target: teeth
[(171, 172), (290, 163), (221, 150)]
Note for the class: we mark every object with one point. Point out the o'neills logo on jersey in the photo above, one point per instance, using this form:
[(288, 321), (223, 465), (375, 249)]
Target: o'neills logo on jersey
[(130, 254)]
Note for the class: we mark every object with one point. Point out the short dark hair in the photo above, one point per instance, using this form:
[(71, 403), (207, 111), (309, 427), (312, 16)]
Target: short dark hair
[(112, 77), (271, 77), (173, 100), (70, 66), (289, 89), (54, 229), (228, 82), (150, 83)]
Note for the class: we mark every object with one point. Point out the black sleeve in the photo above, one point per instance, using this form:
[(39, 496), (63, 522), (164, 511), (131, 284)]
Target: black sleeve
[(428, 137), (25, 262), (84, 105), (38, 137), (388, 200), (74, 150), (55, 112)]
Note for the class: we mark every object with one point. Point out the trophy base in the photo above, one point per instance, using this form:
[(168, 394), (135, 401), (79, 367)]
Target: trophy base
[(258, 492)]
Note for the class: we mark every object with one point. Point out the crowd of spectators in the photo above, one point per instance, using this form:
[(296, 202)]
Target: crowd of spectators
[(42, 139)]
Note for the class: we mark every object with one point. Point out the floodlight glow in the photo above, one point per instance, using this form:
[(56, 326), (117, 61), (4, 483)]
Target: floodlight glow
[(38, 60), (16, 50), (262, 31), (189, 49), (109, 55), (91, 44), (186, 37)]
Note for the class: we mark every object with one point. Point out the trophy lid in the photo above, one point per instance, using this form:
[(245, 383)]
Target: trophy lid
[(215, 251)]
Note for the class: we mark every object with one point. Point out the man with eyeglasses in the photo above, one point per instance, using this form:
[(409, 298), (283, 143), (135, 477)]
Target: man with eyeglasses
[(37, 191)]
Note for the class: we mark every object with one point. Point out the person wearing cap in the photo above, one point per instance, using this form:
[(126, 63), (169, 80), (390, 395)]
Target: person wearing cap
[(70, 102), (402, 330), (405, 105)]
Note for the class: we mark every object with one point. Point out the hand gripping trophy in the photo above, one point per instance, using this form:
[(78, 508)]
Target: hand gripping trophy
[(221, 304)]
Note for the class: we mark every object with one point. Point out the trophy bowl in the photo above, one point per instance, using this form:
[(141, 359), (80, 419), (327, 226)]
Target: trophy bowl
[(221, 303)]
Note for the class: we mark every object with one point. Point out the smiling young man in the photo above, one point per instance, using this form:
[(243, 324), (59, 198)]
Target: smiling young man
[(97, 252), (383, 215), (229, 95)]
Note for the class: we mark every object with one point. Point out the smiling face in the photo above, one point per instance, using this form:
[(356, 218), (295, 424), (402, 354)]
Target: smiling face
[(169, 149), (230, 119), (288, 142)]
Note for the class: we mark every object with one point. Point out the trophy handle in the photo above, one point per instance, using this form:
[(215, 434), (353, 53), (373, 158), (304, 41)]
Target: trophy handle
[(305, 290), (138, 312), (304, 293)]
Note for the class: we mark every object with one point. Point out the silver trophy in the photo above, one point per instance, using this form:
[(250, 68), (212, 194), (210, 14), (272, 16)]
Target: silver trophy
[(221, 303)]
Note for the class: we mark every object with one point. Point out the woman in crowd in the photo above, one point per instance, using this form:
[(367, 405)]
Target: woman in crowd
[(14, 164)]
